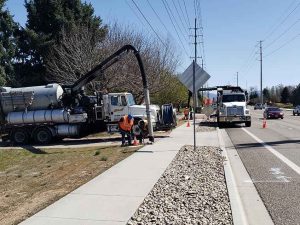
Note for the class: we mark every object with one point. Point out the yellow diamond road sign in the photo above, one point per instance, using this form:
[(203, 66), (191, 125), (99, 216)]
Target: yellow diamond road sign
[(201, 76)]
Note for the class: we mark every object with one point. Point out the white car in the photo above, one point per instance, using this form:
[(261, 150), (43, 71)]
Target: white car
[(296, 110)]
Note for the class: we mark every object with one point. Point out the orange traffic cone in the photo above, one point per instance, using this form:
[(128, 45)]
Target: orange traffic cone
[(264, 123), (135, 143), (188, 124)]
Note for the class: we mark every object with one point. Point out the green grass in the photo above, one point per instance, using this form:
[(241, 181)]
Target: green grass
[(14, 157), (10, 157), (103, 158), (282, 105)]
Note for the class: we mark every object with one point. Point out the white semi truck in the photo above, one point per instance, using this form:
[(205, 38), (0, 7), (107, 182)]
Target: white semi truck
[(231, 105), (44, 113)]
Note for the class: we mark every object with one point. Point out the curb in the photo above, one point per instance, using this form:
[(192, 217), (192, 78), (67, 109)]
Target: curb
[(246, 205)]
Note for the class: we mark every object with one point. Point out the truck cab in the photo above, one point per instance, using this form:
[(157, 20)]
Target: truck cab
[(232, 108), (116, 105)]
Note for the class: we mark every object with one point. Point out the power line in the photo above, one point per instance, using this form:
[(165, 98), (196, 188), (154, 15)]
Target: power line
[(185, 18), (283, 33), (249, 59), (138, 17), (282, 22), (187, 15), (160, 20), (149, 23), (170, 10), (199, 13), (198, 2), (179, 16), (286, 43), (175, 28)]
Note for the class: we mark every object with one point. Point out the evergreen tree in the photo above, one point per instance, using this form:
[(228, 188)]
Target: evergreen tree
[(266, 94), (7, 45), (296, 95), (45, 22), (285, 95)]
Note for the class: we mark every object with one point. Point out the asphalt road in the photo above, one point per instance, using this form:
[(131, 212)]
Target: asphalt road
[(272, 159)]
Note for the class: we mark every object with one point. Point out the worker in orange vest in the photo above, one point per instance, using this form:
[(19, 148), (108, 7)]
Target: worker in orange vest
[(186, 113), (125, 127)]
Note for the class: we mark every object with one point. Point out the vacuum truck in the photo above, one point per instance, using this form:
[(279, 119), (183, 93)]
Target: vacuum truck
[(45, 113)]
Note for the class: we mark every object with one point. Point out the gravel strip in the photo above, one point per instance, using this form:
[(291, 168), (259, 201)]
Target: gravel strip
[(206, 126), (192, 190)]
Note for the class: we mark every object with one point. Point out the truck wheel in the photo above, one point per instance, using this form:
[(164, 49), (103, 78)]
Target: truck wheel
[(248, 124), (42, 135), (294, 114), (19, 136)]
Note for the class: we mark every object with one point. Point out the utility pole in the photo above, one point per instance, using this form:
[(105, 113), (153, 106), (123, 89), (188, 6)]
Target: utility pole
[(202, 69), (237, 79), (194, 87), (195, 43), (261, 92)]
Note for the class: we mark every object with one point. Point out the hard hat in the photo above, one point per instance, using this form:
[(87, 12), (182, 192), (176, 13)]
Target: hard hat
[(130, 117)]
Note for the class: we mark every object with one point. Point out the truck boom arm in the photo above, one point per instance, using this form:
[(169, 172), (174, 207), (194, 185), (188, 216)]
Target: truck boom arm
[(99, 69)]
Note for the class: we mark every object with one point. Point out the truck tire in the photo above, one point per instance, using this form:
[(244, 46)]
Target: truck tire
[(294, 114), (19, 136), (248, 124), (42, 135)]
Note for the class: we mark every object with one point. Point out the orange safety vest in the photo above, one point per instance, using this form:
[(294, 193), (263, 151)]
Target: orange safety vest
[(124, 124)]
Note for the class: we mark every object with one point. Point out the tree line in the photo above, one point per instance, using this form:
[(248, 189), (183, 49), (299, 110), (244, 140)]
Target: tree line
[(64, 39), (278, 94)]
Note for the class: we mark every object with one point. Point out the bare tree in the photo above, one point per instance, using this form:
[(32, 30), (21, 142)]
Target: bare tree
[(76, 53), (79, 51), (159, 60)]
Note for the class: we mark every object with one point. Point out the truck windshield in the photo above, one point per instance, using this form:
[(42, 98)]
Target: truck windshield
[(233, 98), (130, 100)]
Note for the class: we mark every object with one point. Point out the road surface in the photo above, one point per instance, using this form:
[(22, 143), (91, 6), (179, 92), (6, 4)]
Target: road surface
[(272, 159)]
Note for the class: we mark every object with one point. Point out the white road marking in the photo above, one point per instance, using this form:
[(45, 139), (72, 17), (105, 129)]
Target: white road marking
[(276, 171), (266, 181), (288, 162)]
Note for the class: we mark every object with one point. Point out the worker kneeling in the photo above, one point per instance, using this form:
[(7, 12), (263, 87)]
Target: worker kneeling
[(140, 130), (186, 113), (125, 128)]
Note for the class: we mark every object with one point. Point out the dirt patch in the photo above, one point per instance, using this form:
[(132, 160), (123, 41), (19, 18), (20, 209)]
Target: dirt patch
[(31, 179)]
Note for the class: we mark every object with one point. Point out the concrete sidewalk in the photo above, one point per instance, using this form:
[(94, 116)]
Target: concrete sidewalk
[(114, 196)]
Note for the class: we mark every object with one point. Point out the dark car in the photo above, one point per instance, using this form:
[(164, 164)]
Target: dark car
[(273, 112)]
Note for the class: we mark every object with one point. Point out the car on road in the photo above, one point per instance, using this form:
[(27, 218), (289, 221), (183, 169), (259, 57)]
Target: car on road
[(258, 106), (296, 110), (273, 112)]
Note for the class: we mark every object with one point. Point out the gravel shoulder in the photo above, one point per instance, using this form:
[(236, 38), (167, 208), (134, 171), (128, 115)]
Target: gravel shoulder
[(192, 190)]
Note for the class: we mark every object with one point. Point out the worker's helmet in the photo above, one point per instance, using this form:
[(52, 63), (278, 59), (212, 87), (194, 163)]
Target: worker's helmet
[(186, 107), (130, 117)]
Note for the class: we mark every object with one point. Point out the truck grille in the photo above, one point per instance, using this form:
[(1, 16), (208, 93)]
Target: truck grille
[(235, 111)]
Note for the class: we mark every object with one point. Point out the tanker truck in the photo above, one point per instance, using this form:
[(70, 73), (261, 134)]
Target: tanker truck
[(44, 113)]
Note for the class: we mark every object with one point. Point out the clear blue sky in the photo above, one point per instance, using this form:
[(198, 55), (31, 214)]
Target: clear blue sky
[(231, 30)]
